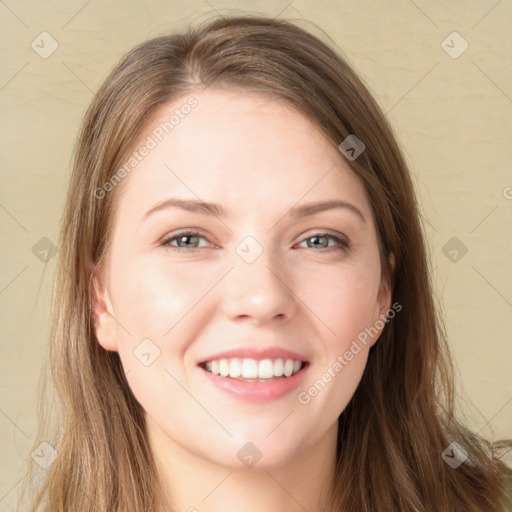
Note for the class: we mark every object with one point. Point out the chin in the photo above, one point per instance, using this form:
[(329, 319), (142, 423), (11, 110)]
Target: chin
[(255, 455)]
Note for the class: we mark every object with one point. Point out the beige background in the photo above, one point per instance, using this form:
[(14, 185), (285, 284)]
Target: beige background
[(453, 117)]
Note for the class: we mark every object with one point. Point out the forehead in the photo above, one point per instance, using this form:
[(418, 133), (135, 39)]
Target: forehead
[(243, 149)]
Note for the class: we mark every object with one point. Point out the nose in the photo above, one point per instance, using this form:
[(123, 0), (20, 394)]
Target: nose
[(260, 291)]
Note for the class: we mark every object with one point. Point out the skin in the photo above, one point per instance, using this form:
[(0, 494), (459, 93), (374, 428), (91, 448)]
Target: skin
[(257, 158)]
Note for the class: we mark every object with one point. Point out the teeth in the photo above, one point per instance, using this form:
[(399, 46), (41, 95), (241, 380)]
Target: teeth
[(223, 368), (249, 369), (288, 368), (266, 369), (235, 368), (278, 367), (253, 369)]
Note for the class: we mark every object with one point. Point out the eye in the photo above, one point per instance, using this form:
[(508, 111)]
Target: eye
[(321, 240), (186, 241)]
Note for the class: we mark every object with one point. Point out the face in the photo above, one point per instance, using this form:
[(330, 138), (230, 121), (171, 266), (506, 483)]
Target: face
[(241, 306)]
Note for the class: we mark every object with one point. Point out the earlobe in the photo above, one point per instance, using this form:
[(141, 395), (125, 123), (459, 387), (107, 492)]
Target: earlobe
[(102, 312)]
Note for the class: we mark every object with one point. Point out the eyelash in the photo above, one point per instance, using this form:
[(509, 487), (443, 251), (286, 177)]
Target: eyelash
[(343, 245)]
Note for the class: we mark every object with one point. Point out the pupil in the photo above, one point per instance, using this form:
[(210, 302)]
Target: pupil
[(183, 238), (316, 238)]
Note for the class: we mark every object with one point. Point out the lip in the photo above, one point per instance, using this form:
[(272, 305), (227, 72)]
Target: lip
[(256, 392), (256, 353)]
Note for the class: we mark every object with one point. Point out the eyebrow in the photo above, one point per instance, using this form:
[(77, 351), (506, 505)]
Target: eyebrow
[(212, 209)]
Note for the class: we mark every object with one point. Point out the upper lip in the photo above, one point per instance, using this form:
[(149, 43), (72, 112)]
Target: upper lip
[(257, 353)]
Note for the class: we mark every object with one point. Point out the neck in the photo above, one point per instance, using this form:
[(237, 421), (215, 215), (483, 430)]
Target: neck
[(194, 484)]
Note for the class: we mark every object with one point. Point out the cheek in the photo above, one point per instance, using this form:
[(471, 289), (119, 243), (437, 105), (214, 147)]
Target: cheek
[(344, 299), (152, 297), (155, 303), (346, 306)]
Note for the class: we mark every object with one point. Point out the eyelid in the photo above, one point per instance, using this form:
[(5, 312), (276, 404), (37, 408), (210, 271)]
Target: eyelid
[(325, 232)]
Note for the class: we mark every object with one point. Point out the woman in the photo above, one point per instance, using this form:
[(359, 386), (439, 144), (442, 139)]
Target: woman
[(243, 316)]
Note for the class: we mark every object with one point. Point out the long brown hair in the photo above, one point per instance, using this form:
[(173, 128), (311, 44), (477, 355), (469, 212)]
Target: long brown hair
[(400, 420)]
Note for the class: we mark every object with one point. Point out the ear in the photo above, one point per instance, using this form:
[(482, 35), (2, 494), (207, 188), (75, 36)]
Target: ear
[(103, 312), (383, 303), (385, 291)]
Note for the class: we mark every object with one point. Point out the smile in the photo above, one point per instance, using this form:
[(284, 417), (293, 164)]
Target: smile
[(252, 370), (253, 380)]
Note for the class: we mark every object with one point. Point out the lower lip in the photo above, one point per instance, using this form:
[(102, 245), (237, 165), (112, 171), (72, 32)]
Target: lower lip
[(257, 392)]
